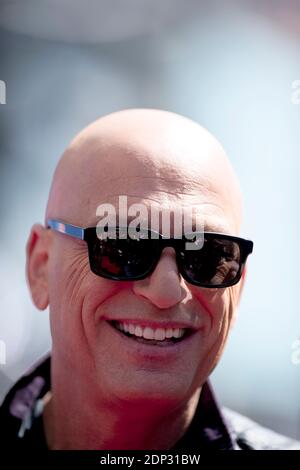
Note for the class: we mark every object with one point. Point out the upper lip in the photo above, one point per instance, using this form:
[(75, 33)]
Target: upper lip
[(153, 324)]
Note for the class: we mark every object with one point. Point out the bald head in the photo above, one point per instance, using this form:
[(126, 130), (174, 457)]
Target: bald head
[(150, 156)]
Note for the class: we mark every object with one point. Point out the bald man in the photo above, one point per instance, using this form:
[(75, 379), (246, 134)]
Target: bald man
[(138, 323)]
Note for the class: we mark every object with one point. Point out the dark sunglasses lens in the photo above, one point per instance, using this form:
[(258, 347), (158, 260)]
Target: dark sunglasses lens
[(217, 262), (121, 258)]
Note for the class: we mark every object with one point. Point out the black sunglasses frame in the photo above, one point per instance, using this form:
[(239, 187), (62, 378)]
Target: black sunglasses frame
[(89, 235)]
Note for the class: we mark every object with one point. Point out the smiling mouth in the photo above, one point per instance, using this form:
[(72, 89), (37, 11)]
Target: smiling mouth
[(158, 337)]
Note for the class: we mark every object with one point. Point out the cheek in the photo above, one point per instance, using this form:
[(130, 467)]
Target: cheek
[(67, 276), (83, 297), (218, 307), (100, 297), (68, 283)]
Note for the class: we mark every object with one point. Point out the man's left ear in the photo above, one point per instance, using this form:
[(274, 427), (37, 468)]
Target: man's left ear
[(37, 255), (237, 295)]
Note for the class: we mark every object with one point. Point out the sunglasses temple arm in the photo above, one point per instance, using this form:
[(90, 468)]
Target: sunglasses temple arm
[(68, 229)]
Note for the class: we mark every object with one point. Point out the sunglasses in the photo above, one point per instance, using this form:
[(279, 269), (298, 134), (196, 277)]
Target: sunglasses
[(218, 263)]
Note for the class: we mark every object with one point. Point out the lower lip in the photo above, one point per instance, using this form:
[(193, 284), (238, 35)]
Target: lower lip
[(150, 351)]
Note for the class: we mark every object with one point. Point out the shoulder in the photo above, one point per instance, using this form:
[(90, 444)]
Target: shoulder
[(249, 435)]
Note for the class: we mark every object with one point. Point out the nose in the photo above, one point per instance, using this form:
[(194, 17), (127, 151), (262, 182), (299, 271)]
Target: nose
[(163, 287)]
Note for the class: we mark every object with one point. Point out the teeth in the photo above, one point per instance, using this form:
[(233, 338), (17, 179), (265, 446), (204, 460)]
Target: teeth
[(176, 333), (158, 334), (148, 333), (138, 331), (131, 328), (169, 332)]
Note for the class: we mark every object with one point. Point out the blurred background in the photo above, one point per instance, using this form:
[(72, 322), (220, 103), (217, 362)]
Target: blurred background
[(230, 66)]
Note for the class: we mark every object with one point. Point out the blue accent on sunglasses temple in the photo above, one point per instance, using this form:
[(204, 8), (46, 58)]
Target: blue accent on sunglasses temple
[(73, 230)]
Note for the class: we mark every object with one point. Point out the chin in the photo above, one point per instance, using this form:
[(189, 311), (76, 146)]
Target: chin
[(148, 390)]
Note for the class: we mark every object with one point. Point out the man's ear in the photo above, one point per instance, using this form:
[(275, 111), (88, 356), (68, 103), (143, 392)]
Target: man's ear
[(37, 265), (240, 287)]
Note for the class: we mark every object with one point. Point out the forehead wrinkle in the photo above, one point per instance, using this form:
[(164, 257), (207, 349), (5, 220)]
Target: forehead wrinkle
[(148, 185), (200, 193), (173, 198), (209, 214), (144, 164)]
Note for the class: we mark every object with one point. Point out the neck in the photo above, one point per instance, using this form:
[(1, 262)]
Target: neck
[(78, 421)]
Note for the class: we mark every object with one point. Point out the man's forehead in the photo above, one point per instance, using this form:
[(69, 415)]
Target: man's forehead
[(167, 162), (165, 170)]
